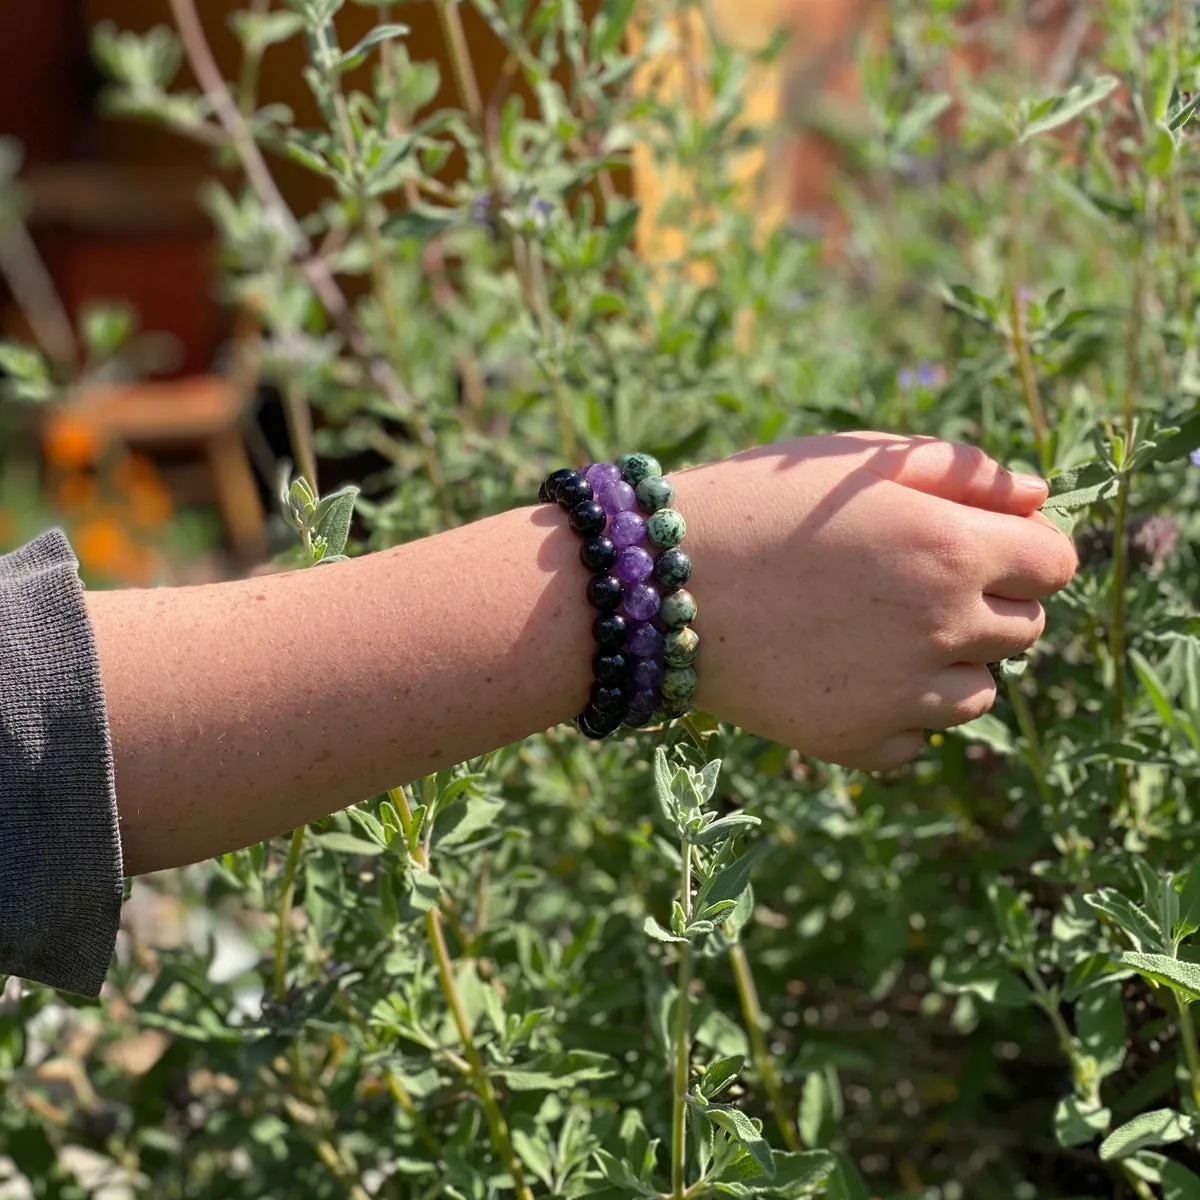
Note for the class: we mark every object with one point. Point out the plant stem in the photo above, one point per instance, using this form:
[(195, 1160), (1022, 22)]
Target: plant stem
[(298, 416), (1141, 1188), (22, 268), (1026, 371), (434, 930), (683, 1038), (247, 91), (1191, 1051), (1037, 761), (1116, 633), (285, 909), (752, 1015), (339, 1170)]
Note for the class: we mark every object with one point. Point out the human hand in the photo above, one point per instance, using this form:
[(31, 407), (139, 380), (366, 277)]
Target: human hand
[(853, 587)]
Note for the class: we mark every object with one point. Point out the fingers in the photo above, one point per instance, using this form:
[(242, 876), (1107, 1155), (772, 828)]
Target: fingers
[(893, 752), (956, 472), (1025, 559), (1005, 629), (957, 695)]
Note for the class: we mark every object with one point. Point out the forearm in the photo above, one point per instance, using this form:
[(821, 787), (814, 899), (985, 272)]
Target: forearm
[(242, 710)]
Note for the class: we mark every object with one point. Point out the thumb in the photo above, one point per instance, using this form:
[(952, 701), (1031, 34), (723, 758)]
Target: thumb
[(957, 472)]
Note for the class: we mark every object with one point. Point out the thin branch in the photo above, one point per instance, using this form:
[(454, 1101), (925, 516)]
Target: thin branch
[(35, 293), (316, 271)]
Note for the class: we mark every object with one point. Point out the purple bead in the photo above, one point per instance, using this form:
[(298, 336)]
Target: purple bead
[(642, 601), (617, 497), (626, 529), (644, 641), (634, 565), (641, 705), (646, 674), (600, 475)]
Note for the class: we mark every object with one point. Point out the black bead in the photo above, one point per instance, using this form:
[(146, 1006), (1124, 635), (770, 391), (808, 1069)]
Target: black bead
[(585, 723), (605, 593), (609, 630), (555, 480), (587, 517), (672, 569), (610, 668), (607, 699), (573, 491), (597, 553), (595, 723)]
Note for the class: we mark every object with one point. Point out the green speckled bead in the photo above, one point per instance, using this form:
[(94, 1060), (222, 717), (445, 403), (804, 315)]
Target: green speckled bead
[(679, 683), (668, 710), (636, 467), (678, 609), (655, 492), (666, 528), (680, 647), (672, 569)]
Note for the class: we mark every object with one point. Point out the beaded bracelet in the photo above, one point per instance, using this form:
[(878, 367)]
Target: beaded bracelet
[(642, 671)]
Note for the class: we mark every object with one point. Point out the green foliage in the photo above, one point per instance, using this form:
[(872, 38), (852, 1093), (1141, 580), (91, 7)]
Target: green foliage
[(715, 969)]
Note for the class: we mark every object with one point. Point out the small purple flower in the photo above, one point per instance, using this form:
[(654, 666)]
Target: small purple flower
[(1195, 457), (926, 375), (481, 210)]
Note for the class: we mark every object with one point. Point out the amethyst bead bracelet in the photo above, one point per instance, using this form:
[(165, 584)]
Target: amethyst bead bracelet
[(643, 669)]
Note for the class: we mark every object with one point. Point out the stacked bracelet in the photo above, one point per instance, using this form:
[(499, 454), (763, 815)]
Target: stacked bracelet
[(642, 670)]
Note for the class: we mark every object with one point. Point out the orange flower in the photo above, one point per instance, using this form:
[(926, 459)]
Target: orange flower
[(76, 493), (149, 501), (104, 546), (71, 441)]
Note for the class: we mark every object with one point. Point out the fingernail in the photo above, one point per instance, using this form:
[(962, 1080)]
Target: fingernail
[(1029, 483)]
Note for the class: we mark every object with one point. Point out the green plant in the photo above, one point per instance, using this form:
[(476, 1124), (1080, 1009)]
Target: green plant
[(546, 973)]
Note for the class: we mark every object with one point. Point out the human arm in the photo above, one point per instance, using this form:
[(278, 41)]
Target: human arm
[(851, 589)]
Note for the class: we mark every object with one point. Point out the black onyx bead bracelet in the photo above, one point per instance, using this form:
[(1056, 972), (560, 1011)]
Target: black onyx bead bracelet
[(642, 671)]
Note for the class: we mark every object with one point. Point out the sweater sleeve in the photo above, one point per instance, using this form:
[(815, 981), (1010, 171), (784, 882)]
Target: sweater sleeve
[(60, 852)]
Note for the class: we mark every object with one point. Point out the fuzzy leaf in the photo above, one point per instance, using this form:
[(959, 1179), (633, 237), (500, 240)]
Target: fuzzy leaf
[(345, 843), (722, 829), (1156, 1128), (1080, 488), (1130, 917), (1070, 105), (1076, 1123), (549, 1072), (1183, 978), (721, 1074), (739, 1127), (653, 929), (331, 519)]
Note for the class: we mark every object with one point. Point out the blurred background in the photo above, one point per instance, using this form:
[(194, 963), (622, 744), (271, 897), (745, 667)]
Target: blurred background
[(160, 463)]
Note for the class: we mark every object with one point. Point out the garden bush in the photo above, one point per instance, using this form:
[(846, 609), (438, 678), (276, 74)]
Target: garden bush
[(691, 962)]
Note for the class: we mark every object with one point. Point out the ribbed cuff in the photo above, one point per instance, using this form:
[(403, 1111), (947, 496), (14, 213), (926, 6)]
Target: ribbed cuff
[(60, 851)]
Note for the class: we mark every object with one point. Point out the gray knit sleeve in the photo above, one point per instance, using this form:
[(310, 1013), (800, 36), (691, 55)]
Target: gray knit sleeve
[(60, 853)]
